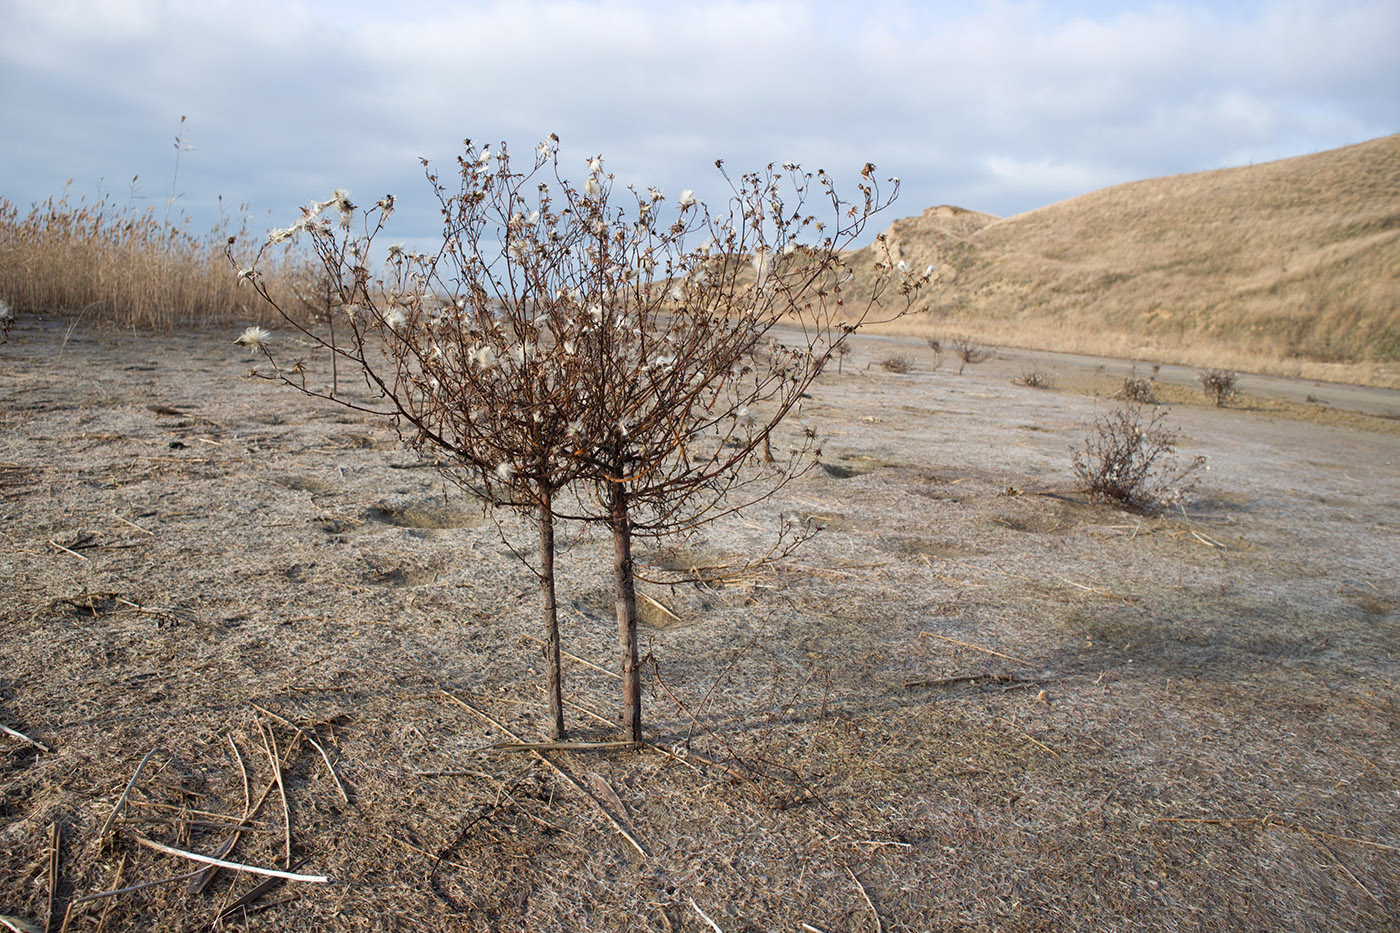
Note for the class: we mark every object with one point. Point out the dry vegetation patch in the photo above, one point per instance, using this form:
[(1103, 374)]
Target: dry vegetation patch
[(977, 700)]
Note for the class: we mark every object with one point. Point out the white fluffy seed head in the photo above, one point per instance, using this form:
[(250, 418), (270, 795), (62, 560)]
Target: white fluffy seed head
[(254, 338)]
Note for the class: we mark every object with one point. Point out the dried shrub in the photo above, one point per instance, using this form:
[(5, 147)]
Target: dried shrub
[(1035, 379), (967, 352), (1219, 385), (898, 363), (1129, 460), (1137, 391)]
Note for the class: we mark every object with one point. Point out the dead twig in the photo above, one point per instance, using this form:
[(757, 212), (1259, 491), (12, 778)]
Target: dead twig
[(251, 895), (301, 731), (553, 746), (55, 845), (967, 679), (66, 550), (87, 898), (270, 746), (575, 658)]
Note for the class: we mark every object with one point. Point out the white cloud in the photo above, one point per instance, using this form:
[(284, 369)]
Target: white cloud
[(999, 106)]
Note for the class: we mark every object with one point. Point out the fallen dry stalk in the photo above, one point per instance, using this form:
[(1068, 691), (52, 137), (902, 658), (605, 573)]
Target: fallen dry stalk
[(231, 866), (24, 738), (636, 843), (55, 845), (301, 731), (276, 762), (965, 644), (703, 916), (573, 657), (879, 924), (107, 826)]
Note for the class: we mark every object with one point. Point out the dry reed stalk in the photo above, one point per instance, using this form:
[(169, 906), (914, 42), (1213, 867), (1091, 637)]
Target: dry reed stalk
[(107, 908), (251, 895), (301, 731), (55, 847), (231, 866), (879, 924), (20, 926), (575, 658), (270, 747), (24, 738), (965, 644), (636, 843), (703, 916), (66, 550), (87, 898), (107, 826)]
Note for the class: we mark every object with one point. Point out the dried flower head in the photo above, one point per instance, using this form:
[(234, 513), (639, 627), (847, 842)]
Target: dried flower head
[(340, 197), (687, 199), (254, 338)]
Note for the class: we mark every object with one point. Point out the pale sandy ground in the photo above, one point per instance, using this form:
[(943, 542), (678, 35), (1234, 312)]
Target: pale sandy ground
[(975, 701)]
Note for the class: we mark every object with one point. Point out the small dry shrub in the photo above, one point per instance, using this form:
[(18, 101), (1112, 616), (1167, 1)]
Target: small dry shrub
[(1136, 391), (1035, 379), (967, 352), (1129, 460), (1219, 385), (897, 364)]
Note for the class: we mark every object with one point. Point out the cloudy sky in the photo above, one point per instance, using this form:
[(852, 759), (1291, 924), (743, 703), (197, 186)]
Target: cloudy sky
[(997, 106)]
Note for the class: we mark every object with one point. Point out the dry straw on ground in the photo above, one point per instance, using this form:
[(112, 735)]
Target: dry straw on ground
[(976, 701)]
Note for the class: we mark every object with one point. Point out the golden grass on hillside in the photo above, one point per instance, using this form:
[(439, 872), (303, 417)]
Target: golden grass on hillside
[(129, 267), (1292, 267)]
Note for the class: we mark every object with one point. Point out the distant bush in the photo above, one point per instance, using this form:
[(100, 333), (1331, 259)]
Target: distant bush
[(967, 352), (1137, 391), (897, 364), (1035, 379), (1129, 460), (1219, 385)]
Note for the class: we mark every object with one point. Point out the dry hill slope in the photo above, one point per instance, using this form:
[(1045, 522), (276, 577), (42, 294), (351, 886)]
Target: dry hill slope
[(1282, 267)]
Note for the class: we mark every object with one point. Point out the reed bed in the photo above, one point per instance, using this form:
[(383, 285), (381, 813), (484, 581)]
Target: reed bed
[(130, 267)]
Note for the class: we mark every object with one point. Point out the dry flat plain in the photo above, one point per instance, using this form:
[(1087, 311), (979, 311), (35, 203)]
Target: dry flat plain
[(975, 701)]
